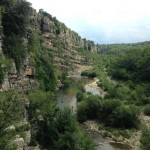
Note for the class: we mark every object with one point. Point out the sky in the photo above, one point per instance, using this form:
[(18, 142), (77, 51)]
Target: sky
[(103, 21)]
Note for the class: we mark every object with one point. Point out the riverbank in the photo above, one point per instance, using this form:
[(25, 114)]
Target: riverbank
[(133, 143), (96, 89), (126, 139)]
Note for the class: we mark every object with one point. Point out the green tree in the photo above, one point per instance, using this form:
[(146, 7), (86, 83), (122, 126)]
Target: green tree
[(108, 106), (80, 96), (82, 112), (12, 108), (15, 18), (14, 22), (71, 136), (125, 117), (93, 106)]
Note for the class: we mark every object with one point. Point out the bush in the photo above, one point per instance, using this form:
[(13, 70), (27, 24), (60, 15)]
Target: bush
[(15, 18), (24, 127), (14, 49), (90, 74), (89, 108), (63, 132), (65, 120), (82, 112), (108, 106), (15, 22), (45, 70), (43, 101), (125, 133), (74, 141), (4, 67), (93, 106), (125, 117), (12, 108), (145, 139), (147, 110), (80, 96)]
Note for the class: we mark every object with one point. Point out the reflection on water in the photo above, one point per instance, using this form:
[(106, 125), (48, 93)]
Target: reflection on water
[(67, 96), (107, 147), (77, 75), (102, 144), (92, 90)]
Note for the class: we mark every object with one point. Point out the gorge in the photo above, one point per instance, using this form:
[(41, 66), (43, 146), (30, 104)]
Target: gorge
[(45, 66)]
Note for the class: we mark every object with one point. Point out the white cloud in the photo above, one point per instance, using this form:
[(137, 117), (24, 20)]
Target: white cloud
[(114, 19)]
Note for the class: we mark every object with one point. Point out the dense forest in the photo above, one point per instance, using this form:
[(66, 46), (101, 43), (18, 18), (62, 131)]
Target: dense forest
[(37, 52)]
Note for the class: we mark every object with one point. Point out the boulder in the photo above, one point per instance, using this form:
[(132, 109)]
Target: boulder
[(6, 84), (19, 143), (13, 69), (27, 137), (10, 128)]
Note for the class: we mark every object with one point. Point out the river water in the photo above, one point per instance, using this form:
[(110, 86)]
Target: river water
[(67, 97)]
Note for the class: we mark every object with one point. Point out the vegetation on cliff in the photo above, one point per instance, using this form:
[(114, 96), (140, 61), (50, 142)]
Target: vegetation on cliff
[(14, 22)]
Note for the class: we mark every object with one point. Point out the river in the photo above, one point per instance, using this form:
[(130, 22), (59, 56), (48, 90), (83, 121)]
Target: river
[(67, 97)]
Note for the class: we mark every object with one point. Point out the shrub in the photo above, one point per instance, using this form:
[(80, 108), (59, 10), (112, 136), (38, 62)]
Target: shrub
[(14, 49), (125, 133), (90, 74), (125, 117), (145, 139), (147, 110), (24, 127), (108, 106), (4, 66), (82, 112), (93, 106), (15, 22), (80, 96), (15, 18), (12, 108)]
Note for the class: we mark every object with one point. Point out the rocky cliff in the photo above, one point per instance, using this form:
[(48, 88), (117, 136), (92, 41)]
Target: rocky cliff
[(35, 48), (63, 44), (21, 79), (62, 41)]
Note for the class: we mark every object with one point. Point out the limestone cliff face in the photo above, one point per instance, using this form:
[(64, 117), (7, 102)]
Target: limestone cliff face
[(55, 30), (20, 80), (63, 43)]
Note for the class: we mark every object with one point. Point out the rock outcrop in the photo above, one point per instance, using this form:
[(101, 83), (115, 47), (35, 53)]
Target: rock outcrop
[(63, 43), (22, 80)]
